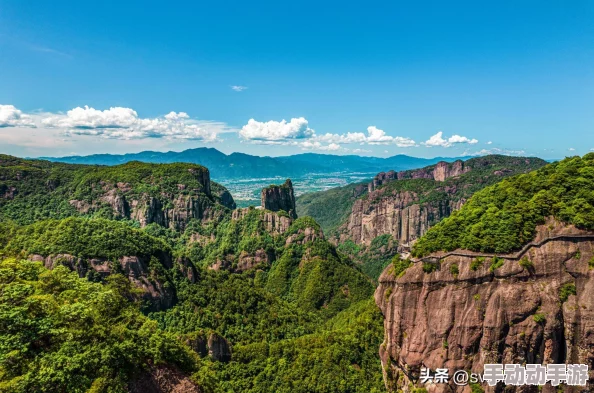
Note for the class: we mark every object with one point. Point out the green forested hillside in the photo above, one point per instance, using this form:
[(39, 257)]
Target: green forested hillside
[(503, 217), (330, 208), (333, 208), (300, 320), (62, 333), (33, 190)]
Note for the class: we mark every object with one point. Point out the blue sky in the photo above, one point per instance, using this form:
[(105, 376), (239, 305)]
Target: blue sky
[(375, 78)]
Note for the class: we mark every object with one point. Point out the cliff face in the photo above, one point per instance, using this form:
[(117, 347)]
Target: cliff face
[(533, 306), (163, 379), (406, 204), (439, 172), (168, 194), (399, 215), (173, 209), (155, 292), (272, 223), (275, 198)]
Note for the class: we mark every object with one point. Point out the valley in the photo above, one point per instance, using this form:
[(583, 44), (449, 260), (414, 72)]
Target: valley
[(312, 292)]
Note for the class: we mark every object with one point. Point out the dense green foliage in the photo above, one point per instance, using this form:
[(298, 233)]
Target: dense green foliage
[(341, 356), (400, 265), (566, 290), (330, 208), (503, 217), (374, 258), (61, 333), (40, 190), (301, 319), (85, 238)]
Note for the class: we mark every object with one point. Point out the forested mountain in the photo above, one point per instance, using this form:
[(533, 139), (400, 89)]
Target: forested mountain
[(505, 279), (240, 165), (145, 277), (203, 297), (395, 208)]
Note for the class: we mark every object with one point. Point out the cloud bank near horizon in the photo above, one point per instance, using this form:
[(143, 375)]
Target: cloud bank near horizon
[(125, 124)]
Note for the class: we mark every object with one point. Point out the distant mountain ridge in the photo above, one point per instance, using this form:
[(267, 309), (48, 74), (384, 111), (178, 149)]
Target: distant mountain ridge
[(240, 165)]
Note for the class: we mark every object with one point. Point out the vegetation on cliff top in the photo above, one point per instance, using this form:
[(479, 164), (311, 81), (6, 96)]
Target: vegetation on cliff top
[(61, 333), (33, 190), (330, 208), (483, 171), (503, 217), (81, 237), (305, 316)]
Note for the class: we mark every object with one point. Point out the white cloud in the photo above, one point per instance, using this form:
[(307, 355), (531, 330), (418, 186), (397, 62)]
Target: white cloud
[(315, 145), (571, 149), (488, 143), (374, 136), (13, 117), (238, 88), (361, 151), (124, 123), (287, 133), (438, 140), (495, 150), (272, 130)]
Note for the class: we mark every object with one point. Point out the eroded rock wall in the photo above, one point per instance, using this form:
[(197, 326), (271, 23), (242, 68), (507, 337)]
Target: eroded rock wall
[(512, 314), (399, 215), (275, 198)]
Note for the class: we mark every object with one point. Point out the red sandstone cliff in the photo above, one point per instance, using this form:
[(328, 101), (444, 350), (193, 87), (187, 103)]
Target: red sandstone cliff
[(512, 314), (396, 206)]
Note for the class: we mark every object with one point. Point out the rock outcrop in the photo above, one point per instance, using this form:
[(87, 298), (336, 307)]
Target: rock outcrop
[(533, 306), (438, 172), (210, 344), (157, 295), (169, 195), (274, 223), (163, 379), (275, 198), (396, 205), (400, 215), (305, 235)]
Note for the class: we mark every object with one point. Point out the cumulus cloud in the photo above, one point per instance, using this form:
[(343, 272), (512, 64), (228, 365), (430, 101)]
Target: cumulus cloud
[(438, 140), (571, 149), (277, 131), (238, 88), (10, 116), (124, 123), (315, 145), (374, 136)]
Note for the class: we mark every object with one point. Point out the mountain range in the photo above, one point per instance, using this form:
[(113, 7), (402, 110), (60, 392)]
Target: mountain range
[(240, 165)]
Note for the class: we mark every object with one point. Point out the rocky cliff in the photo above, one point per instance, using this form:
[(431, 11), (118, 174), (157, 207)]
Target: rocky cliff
[(403, 216), (275, 198), (157, 292), (438, 172), (406, 204), (169, 195), (462, 309), (163, 379)]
